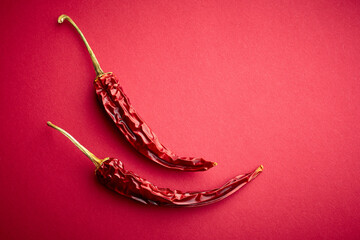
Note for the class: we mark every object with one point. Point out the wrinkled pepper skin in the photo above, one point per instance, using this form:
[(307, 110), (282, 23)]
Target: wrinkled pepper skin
[(113, 175), (136, 131)]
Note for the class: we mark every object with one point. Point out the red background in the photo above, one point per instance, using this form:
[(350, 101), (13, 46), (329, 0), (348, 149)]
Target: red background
[(242, 83)]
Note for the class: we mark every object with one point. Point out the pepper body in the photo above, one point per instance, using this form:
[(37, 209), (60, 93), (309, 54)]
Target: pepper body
[(112, 174), (136, 131)]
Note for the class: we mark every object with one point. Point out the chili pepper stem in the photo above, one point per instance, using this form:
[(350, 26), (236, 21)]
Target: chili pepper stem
[(97, 161), (95, 62)]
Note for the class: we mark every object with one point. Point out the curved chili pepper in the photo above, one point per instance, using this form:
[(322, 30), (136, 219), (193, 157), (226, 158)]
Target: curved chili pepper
[(131, 125), (111, 173)]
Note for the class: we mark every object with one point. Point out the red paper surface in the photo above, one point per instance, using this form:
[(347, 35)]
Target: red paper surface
[(242, 83)]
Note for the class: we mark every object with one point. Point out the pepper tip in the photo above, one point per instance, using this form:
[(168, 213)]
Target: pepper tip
[(48, 123), (214, 164)]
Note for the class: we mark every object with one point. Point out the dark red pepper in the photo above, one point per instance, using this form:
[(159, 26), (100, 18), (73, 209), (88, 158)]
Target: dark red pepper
[(135, 130), (111, 173)]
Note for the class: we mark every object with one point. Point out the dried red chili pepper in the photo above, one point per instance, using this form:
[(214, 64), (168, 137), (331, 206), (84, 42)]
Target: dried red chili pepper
[(136, 131), (111, 173)]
